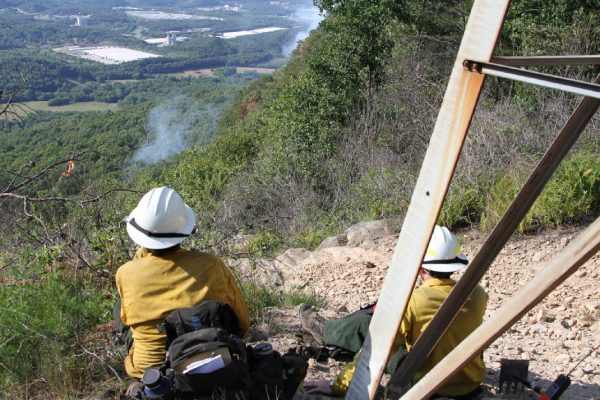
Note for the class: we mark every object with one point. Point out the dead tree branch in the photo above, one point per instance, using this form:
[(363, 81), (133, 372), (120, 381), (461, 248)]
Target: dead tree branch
[(8, 107), (13, 187), (80, 202)]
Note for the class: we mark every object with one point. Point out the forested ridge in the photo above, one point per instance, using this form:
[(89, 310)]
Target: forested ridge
[(335, 137), (29, 33), (338, 135)]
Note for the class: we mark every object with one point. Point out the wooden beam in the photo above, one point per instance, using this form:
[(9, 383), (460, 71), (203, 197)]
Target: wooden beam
[(560, 268), (540, 61), (495, 242), (448, 136)]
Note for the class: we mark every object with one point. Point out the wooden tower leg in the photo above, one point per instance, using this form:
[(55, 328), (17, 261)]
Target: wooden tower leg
[(448, 136)]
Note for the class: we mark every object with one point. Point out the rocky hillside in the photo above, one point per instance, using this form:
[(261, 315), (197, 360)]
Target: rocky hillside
[(347, 271)]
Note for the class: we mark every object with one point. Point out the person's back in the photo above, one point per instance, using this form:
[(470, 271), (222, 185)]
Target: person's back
[(443, 257), (163, 277), (151, 286), (424, 303)]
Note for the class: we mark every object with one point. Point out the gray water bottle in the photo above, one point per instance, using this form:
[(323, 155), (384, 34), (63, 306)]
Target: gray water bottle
[(263, 350), (156, 385)]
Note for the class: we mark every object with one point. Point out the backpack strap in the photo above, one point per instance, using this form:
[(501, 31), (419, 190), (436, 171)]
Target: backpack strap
[(210, 313)]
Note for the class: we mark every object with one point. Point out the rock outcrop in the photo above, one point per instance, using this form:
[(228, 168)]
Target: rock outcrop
[(348, 271)]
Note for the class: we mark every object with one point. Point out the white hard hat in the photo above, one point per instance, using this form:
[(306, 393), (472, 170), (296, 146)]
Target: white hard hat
[(443, 253), (160, 220)]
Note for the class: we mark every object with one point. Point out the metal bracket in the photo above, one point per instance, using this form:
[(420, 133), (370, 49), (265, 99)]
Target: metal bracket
[(537, 78), (540, 61)]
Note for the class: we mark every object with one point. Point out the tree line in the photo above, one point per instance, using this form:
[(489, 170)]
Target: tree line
[(335, 137)]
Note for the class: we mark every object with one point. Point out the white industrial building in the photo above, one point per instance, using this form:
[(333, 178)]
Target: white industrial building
[(81, 20), (171, 39)]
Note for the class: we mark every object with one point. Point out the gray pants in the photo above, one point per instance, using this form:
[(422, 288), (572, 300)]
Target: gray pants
[(350, 333)]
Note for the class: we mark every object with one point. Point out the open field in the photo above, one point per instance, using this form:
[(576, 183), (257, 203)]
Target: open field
[(158, 15), (241, 70), (105, 54), (211, 71), (162, 41), (29, 107)]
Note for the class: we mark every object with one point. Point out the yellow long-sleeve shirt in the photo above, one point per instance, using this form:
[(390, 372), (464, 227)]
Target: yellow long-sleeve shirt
[(422, 306), (151, 287)]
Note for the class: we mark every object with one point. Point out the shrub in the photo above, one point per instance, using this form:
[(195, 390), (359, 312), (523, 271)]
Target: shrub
[(462, 207), (258, 297), (500, 195), (200, 174), (573, 191), (264, 244), (58, 101), (38, 325), (378, 193), (311, 239)]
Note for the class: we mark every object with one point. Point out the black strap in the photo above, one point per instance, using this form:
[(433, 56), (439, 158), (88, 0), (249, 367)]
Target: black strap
[(156, 235), (451, 261)]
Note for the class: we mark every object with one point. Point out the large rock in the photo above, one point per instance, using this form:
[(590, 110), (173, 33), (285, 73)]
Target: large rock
[(368, 230), (333, 241), (293, 257), (261, 271), (289, 266)]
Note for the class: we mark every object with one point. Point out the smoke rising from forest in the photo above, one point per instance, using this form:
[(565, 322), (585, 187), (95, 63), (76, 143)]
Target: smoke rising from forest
[(175, 125), (308, 18)]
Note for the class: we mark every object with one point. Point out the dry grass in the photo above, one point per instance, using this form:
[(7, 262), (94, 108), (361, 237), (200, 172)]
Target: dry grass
[(29, 107)]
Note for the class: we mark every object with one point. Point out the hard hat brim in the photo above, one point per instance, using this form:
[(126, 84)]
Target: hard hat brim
[(445, 267), (157, 243)]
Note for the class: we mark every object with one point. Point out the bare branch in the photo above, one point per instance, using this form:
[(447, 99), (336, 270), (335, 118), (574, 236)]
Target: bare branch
[(46, 170), (25, 109), (7, 108), (65, 199), (79, 255), (38, 220), (102, 360), (18, 174), (28, 317)]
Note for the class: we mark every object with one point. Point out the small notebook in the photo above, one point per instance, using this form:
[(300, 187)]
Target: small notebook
[(205, 366)]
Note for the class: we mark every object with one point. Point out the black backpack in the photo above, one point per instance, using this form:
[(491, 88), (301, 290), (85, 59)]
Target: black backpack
[(231, 380), (248, 372), (274, 376), (209, 314), (200, 333)]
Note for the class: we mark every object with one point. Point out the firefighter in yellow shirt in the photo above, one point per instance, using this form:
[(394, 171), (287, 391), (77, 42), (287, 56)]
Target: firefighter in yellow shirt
[(443, 257), (163, 277)]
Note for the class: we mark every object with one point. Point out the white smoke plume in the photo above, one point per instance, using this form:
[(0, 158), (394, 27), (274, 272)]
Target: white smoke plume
[(175, 125), (308, 18)]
